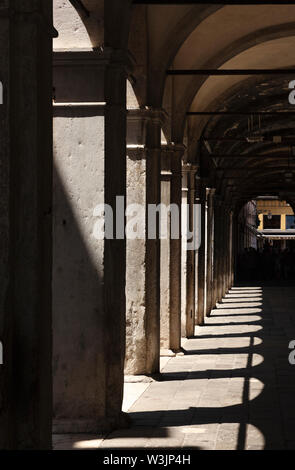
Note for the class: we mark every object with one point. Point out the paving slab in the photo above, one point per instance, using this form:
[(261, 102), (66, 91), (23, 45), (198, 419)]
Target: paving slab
[(232, 389)]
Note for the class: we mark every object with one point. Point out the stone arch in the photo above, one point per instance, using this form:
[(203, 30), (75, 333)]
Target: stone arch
[(272, 28), (167, 51), (199, 123)]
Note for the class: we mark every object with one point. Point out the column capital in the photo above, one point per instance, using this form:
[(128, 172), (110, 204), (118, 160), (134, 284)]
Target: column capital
[(210, 192), (171, 155), (105, 57), (138, 122), (91, 77), (190, 168), (174, 148), (147, 114), (33, 11)]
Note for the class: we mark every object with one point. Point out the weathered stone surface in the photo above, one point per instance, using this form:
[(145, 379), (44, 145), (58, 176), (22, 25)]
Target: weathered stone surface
[(165, 285), (5, 269), (25, 218), (90, 142), (78, 269), (136, 289), (143, 253), (191, 258)]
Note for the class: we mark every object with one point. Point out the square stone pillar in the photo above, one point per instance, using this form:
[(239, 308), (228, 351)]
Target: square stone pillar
[(228, 249), (89, 261), (171, 198), (221, 252), (25, 218), (217, 249), (191, 275), (231, 262), (184, 202), (201, 254), (210, 251), (143, 250), (225, 268), (165, 253)]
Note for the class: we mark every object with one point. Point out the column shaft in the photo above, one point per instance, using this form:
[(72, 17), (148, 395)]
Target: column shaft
[(143, 254), (217, 248), (25, 217), (171, 257), (210, 251), (175, 250), (191, 259), (89, 262), (184, 215), (201, 254)]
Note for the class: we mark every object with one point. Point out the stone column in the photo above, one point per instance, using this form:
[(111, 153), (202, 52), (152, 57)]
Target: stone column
[(217, 247), (165, 254), (89, 262), (184, 202), (171, 248), (207, 192), (236, 244), (175, 250), (201, 254), (210, 251), (143, 252), (224, 251), (191, 256), (25, 217), (231, 273), (229, 250)]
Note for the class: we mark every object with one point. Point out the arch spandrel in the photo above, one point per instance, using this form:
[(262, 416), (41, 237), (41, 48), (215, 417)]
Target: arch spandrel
[(72, 31)]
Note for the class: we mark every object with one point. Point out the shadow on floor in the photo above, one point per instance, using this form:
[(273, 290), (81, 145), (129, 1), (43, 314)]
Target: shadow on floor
[(244, 402)]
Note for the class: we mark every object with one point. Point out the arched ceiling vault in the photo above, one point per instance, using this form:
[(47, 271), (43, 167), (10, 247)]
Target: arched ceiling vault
[(242, 151), (211, 37)]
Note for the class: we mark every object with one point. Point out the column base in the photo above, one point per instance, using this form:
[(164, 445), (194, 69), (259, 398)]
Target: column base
[(171, 352), (167, 353), (132, 379)]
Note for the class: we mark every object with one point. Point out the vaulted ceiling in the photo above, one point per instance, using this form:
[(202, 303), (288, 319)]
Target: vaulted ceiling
[(241, 150)]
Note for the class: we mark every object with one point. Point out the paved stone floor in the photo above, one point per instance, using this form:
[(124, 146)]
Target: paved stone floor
[(232, 389)]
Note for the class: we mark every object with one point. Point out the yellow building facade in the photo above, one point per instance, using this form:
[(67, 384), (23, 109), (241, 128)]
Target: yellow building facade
[(274, 214)]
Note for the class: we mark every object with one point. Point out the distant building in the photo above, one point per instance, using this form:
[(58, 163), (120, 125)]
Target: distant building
[(277, 222), (248, 223)]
